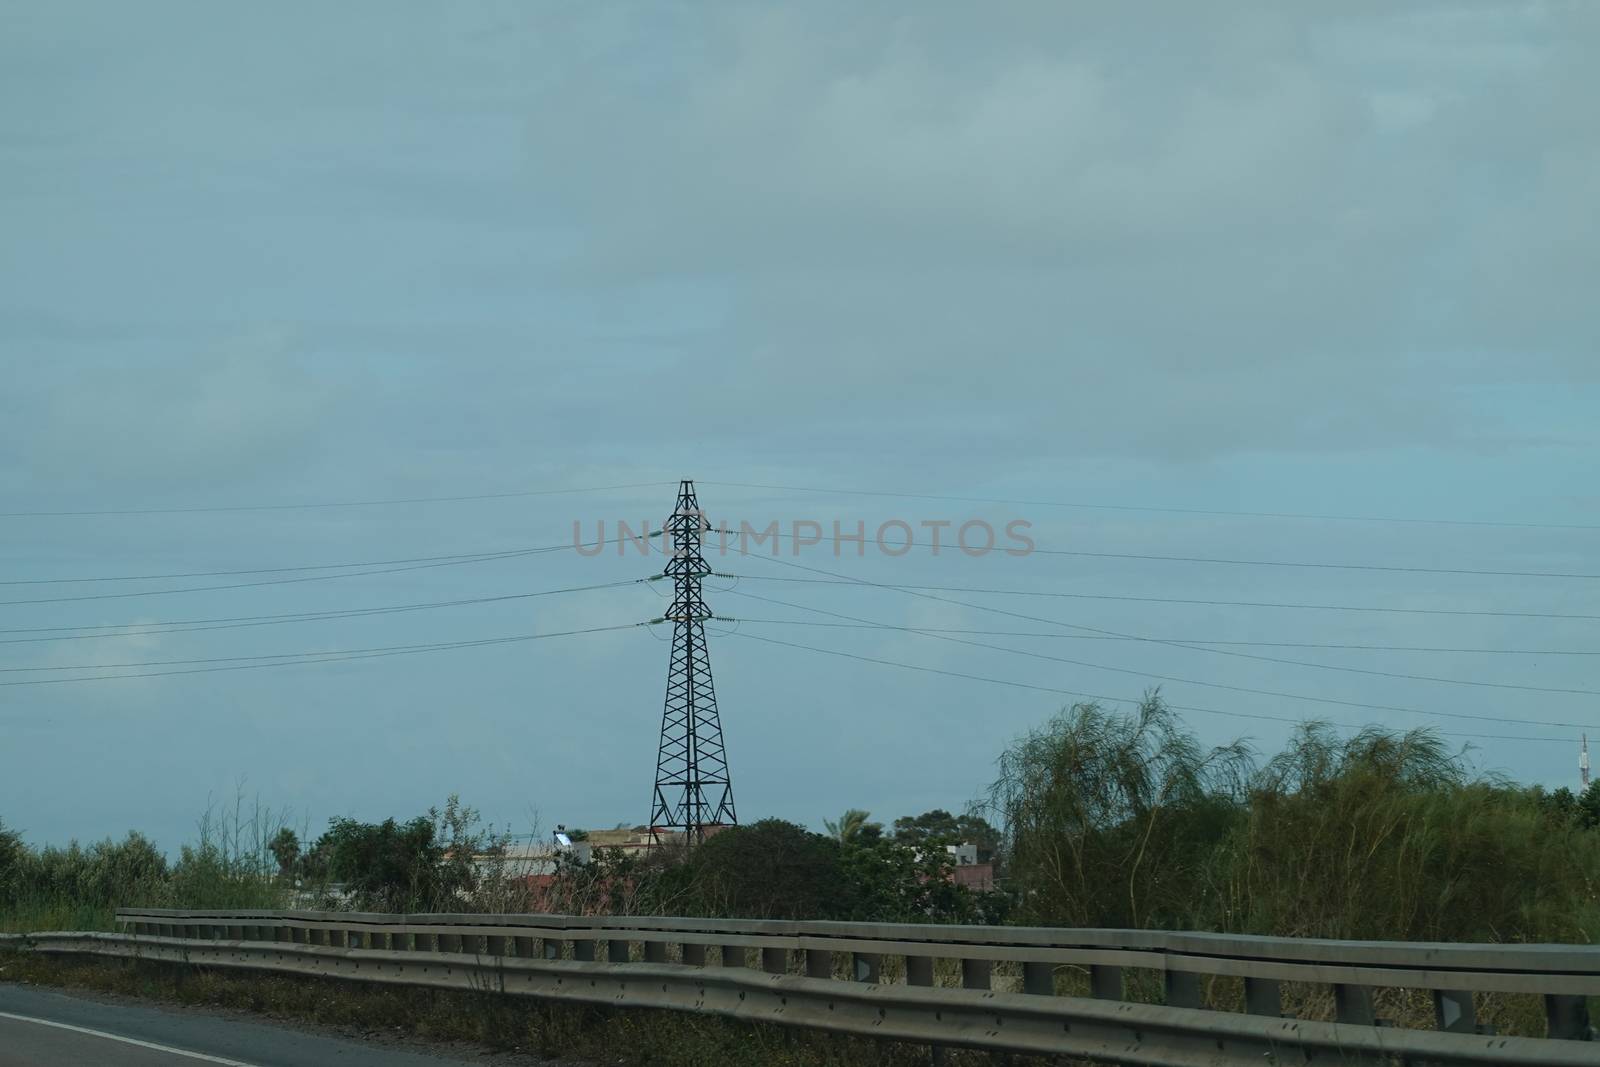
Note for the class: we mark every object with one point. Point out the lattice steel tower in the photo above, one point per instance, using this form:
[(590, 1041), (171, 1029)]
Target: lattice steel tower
[(693, 789)]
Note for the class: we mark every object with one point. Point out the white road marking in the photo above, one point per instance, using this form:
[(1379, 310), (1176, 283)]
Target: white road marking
[(126, 1040)]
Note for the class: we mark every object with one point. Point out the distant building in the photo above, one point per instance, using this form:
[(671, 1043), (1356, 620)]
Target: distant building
[(965, 870), (978, 877), (968, 872), (963, 854)]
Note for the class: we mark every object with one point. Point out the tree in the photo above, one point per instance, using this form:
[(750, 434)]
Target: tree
[(285, 848), (937, 828), (385, 866), (1387, 834), (1588, 806), (853, 825), (1111, 818), (763, 870), (428, 863), (887, 881), (13, 853)]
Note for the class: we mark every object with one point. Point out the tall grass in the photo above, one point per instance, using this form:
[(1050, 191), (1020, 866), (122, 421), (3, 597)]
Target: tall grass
[(80, 887)]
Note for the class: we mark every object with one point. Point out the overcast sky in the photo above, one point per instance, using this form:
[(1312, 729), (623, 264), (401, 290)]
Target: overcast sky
[(1192, 256)]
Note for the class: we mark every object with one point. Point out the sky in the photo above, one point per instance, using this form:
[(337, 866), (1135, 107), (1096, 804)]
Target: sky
[(1151, 278)]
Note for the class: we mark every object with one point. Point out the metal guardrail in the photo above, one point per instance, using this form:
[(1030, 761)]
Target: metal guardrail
[(628, 961)]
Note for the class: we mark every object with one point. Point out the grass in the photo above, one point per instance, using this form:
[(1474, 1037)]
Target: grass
[(55, 913), (495, 1021)]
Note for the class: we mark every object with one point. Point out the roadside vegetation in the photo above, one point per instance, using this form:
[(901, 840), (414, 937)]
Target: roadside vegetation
[(1096, 818), (1125, 821)]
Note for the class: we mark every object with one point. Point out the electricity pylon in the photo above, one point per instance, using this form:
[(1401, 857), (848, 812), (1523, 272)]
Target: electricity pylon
[(693, 789)]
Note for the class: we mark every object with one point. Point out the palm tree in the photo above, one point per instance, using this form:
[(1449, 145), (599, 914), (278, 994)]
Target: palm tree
[(853, 825)]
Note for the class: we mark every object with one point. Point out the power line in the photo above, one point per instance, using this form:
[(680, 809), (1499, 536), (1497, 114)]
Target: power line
[(1229, 652), (330, 657), (272, 581), (1392, 569), (444, 561), (1175, 600), (244, 621), (253, 585), (1148, 556), (1086, 505), (1170, 640), (1003, 633), (264, 570), (1094, 696), (471, 556), (1147, 674), (328, 504)]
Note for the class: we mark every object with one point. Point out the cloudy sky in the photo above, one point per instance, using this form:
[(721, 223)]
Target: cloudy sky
[(1213, 259)]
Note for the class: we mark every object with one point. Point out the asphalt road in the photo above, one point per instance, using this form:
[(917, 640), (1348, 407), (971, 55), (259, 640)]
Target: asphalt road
[(48, 1028)]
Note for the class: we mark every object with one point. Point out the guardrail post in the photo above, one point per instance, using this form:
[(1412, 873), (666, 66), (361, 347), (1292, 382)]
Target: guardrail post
[(583, 950), (551, 947), (617, 950), (1452, 1011), (655, 952), (337, 938), (775, 960), (919, 970), (1353, 1004), (524, 947), (426, 942), (1261, 997), (733, 955), (694, 954), (1183, 989), (1567, 1017), (1105, 982), (235, 933), (975, 974), (865, 966), (819, 963), (449, 942)]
